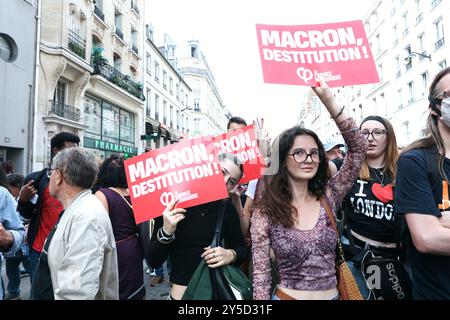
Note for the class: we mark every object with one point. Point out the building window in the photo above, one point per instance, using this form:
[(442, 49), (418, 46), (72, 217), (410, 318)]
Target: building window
[(178, 91), (408, 53), (134, 41), (156, 107), (405, 24), (405, 132), (397, 66), (157, 71), (171, 85), (178, 120), (400, 98), (421, 40), (171, 117), (60, 93), (424, 82), (411, 92), (117, 62), (439, 26), (8, 48), (442, 64), (380, 72), (93, 116), (148, 107), (108, 122), (126, 126), (164, 79), (395, 29), (148, 64), (118, 23), (196, 104), (182, 96), (164, 111)]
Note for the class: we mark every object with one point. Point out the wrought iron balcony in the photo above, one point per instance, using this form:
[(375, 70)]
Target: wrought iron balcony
[(135, 8), (65, 111), (119, 32), (419, 18), (435, 3), (439, 43), (99, 13), (124, 81), (77, 44)]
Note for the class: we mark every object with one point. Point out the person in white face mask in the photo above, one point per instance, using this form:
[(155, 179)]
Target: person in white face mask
[(422, 197)]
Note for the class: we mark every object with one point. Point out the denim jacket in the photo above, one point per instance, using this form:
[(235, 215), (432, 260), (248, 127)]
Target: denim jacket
[(11, 222)]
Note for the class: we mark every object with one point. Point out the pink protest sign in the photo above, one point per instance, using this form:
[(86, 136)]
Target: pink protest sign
[(243, 144), (188, 171), (338, 53)]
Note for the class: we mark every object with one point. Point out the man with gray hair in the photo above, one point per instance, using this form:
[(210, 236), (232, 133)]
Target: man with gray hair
[(79, 260)]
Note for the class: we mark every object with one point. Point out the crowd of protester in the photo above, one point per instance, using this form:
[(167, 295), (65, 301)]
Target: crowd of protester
[(71, 225)]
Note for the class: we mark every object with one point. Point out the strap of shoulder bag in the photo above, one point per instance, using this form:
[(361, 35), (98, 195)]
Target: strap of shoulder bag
[(126, 201), (218, 232), (326, 206)]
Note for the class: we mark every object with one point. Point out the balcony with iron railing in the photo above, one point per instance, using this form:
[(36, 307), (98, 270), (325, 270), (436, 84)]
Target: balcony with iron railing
[(99, 13), (419, 18), (135, 8), (135, 49), (435, 3), (439, 43), (77, 44), (65, 111), (123, 81)]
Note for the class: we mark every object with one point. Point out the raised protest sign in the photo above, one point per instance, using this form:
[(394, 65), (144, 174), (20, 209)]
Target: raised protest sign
[(188, 171), (338, 53), (243, 144)]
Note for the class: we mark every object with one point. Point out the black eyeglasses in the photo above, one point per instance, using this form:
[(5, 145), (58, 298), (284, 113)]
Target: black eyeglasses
[(376, 133), (301, 155)]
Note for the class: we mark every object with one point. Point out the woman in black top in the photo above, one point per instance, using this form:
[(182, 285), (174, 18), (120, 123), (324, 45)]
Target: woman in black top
[(185, 235), (369, 206)]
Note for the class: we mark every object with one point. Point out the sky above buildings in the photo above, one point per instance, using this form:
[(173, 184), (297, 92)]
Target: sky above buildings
[(227, 34)]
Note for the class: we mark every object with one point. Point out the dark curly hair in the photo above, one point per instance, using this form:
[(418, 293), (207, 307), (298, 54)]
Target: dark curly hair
[(277, 197), (112, 173)]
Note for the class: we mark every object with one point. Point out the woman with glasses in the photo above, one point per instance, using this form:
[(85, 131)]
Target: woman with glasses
[(368, 208), (421, 196), (291, 217)]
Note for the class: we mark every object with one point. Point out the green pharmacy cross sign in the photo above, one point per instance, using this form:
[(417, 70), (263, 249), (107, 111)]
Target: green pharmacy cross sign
[(153, 136)]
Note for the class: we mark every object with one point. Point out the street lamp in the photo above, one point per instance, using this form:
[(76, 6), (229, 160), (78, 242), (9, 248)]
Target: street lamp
[(186, 108), (412, 54)]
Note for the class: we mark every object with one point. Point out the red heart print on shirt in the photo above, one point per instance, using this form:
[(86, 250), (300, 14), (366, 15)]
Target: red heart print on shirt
[(384, 194)]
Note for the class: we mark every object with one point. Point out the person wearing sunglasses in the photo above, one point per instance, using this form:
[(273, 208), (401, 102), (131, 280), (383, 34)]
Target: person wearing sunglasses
[(421, 196), (368, 209), (291, 219)]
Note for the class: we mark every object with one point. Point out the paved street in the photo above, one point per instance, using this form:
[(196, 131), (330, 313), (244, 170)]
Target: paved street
[(160, 292)]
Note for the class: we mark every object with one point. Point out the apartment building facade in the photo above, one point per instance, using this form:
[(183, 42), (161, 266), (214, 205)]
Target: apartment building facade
[(90, 76), (168, 96), (410, 45), (209, 114), (18, 43)]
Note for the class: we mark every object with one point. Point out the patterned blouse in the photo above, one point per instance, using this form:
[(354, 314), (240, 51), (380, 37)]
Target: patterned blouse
[(306, 258)]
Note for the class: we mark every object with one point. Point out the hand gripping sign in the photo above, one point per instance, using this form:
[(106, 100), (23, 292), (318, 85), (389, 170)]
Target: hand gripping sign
[(185, 171), (337, 53), (243, 144)]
